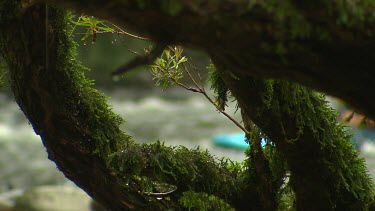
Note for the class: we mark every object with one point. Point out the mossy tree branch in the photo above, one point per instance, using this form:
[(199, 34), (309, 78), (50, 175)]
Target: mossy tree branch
[(325, 45), (245, 40), (82, 135), (326, 173)]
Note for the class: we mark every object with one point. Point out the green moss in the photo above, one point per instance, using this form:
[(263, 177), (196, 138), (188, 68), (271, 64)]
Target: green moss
[(171, 7), (218, 86), (265, 173), (309, 143), (173, 170), (203, 201), (129, 160), (353, 13), (148, 169), (202, 181), (344, 171), (291, 16), (85, 102), (197, 170), (191, 169), (290, 19)]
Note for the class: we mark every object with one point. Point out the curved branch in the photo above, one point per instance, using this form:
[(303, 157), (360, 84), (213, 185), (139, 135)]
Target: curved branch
[(249, 41), (81, 133), (328, 46)]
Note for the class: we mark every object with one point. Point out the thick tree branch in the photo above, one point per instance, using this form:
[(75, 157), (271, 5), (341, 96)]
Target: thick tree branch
[(328, 46), (82, 135), (317, 150), (312, 44)]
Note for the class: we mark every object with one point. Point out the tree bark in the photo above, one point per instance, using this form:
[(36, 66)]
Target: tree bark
[(247, 43), (82, 135), (318, 151), (327, 46)]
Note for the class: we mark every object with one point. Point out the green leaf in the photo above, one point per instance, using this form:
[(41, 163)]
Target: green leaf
[(87, 34), (81, 23), (105, 29)]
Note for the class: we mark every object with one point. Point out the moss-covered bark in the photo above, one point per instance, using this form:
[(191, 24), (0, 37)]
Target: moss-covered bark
[(325, 45), (82, 135), (325, 171)]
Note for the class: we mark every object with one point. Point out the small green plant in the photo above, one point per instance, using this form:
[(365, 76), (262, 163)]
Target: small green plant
[(168, 69), (95, 26), (171, 66)]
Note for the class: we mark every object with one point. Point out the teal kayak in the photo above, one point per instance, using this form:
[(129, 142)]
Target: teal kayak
[(232, 140)]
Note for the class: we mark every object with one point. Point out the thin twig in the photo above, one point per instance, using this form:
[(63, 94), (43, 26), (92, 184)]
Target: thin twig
[(74, 27), (191, 77), (196, 72), (126, 46), (202, 91), (226, 114), (129, 34), (141, 60), (163, 193)]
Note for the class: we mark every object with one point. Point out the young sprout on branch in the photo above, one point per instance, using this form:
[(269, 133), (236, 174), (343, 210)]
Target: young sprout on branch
[(96, 26), (170, 67)]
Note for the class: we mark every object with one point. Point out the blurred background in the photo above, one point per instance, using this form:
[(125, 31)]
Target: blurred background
[(29, 181)]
